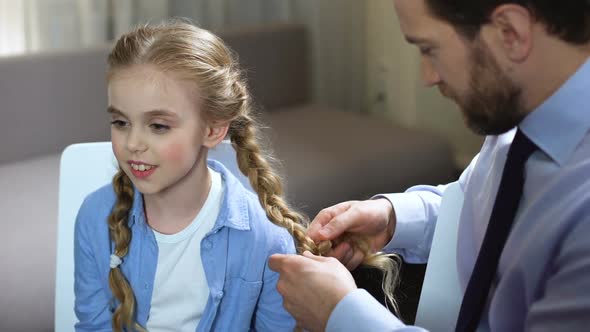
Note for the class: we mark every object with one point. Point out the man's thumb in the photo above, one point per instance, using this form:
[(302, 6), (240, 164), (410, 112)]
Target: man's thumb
[(309, 255), (335, 227)]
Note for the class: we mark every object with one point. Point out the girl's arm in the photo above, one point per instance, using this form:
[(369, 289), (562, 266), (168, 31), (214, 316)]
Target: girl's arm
[(92, 303), (270, 315)]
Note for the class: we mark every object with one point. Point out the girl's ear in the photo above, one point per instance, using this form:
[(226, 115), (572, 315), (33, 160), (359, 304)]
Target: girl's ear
[(214, 134)]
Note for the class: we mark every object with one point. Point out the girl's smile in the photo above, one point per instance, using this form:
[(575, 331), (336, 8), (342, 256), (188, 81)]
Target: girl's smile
[(140, 169)]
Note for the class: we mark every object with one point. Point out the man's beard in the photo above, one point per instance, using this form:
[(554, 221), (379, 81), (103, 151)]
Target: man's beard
[(492, 105)]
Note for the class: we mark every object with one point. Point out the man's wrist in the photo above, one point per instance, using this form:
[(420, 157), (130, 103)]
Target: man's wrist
[(385, 237), (390, 223)]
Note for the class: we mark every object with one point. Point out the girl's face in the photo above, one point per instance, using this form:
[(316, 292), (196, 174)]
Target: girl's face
[(159, 137)]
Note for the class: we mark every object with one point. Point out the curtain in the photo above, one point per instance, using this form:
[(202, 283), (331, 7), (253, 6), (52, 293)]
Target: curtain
[(12, 27), (337, 29)]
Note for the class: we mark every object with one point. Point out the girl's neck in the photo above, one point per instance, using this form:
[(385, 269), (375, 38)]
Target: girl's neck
[(172, 210)]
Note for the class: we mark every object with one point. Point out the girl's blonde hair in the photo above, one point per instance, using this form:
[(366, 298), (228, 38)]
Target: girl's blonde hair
[(197, 55)]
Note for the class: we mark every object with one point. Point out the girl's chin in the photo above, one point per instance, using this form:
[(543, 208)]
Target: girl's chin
[(147, 190)]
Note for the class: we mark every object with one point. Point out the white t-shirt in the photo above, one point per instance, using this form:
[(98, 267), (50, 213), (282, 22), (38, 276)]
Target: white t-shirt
[(180, 287)]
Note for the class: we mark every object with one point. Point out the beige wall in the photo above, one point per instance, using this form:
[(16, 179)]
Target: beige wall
[(395, 89), (337, 30)]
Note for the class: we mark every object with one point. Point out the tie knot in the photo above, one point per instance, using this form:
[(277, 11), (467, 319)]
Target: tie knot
[(521, 148)]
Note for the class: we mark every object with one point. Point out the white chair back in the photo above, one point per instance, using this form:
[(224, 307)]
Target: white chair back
[(441, 294)]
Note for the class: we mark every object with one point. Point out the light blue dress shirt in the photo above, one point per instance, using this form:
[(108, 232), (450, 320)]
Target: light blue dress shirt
[(543, 278), (242, 288)]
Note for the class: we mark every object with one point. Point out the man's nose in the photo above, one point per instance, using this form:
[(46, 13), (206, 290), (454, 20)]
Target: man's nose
[(430, 76)]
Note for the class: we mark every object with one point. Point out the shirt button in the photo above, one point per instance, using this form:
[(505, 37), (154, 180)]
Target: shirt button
[(146, 286), (207, 244), (218, 296)]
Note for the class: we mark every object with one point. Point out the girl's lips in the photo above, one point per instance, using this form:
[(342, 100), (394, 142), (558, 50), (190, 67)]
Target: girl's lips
[(143, 174), (138, 163)]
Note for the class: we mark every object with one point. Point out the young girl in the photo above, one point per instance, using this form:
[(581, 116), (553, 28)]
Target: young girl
[(176, 243)]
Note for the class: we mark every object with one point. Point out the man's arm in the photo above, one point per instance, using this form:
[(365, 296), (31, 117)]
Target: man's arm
[(359, 311), (565, 301), (416, 212), (321, 294), (411, 216)]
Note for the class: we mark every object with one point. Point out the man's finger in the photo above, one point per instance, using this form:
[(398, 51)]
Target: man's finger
[(338, 225), (286, 264), (342, 250), (277, 261), (309, 255), (324, 217), (355, 261)]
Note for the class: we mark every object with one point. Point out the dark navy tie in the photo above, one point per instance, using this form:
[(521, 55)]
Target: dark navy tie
[(501, 219)]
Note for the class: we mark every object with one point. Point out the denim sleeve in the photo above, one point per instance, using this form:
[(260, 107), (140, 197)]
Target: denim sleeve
[(91, 303), (270, 314)]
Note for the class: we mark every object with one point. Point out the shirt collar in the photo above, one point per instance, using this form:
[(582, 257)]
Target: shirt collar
[(559, 124), (234, 208)]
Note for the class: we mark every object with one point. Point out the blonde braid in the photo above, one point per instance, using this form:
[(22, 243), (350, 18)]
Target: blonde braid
[(251, 161), (268, 185), (121, 235)]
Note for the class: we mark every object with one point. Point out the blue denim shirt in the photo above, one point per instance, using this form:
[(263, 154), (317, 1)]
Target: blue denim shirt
[(235, 253)]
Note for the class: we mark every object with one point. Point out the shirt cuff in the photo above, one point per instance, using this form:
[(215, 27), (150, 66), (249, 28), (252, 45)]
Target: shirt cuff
[(410, 220), (359, 311)]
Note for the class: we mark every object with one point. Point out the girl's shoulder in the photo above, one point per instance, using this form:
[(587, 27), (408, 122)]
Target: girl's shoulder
[(243, 208), (97, 206), (263, 228), (103, 197)]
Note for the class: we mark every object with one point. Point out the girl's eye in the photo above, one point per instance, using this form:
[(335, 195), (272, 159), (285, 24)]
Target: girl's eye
[(118, 123), (159, 128)]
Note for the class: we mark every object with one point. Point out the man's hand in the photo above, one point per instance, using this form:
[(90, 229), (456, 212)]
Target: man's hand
[(373, 219), (311, 287)]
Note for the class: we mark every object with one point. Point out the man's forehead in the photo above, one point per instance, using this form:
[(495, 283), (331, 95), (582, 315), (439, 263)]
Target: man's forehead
[(416, 22), (411, 10)]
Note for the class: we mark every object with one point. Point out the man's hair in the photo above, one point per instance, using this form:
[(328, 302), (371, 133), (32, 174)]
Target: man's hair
[(567, 19)]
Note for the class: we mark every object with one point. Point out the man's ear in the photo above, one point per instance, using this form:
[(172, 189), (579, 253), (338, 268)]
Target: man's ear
[(214, 134), (514, 26)]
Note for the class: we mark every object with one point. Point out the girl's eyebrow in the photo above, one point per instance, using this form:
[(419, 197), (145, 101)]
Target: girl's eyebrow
[(113, 110), (162, 112), (156, 112)]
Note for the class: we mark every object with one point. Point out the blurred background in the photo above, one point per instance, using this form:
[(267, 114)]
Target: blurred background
[(339, 86), (360, 59)]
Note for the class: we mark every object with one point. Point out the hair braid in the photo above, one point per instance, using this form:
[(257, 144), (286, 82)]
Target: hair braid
[(123, 317), (251, 161), (267, 184), (269, 189)]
